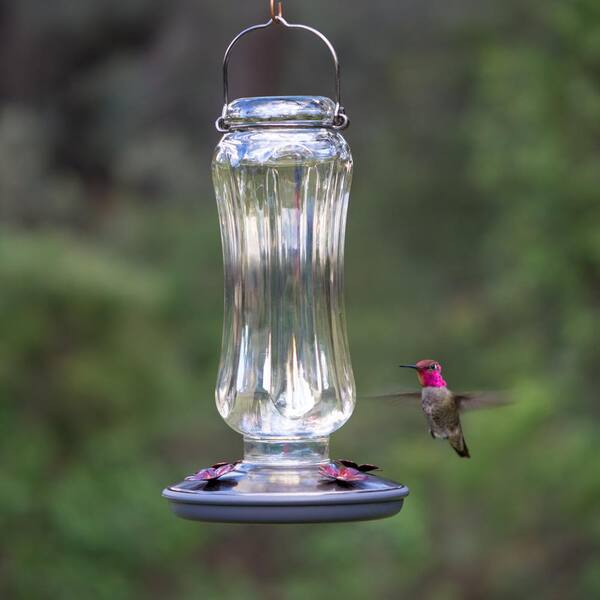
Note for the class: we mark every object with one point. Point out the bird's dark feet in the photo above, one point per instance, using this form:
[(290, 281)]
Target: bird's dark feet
[(431, 434)]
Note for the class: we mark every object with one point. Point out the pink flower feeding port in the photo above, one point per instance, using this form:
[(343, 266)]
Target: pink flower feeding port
[(282, 173)]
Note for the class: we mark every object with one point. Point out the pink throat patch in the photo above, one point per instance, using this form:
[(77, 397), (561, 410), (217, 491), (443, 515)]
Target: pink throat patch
[(433, 379)]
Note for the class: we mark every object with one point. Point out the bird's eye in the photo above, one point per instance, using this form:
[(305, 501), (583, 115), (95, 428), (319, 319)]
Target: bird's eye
[(433, 367)]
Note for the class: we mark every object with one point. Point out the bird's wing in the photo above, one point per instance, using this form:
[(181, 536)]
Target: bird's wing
[(474, 400), (415, 395)]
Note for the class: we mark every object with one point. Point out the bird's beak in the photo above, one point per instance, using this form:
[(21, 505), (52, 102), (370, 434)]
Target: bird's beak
[(409, 367)]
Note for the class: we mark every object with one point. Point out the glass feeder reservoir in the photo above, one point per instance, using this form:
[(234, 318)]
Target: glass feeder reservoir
[(282, 174), (285, 380)]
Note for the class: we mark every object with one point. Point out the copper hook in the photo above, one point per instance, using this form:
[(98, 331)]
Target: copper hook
[(279, 10)]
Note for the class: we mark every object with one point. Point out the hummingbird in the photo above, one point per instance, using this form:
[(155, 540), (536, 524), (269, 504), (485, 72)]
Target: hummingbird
[(442, 407)]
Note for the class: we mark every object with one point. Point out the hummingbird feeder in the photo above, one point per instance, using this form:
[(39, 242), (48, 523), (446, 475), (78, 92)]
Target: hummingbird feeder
[(282, 174)]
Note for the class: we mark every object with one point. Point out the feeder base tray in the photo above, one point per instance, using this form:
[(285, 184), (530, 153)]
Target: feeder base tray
[(260, 494)]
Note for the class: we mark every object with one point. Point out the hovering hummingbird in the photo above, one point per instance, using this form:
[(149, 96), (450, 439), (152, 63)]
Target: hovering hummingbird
[(442, 407)]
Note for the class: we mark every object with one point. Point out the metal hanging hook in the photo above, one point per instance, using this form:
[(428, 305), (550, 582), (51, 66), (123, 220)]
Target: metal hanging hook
[(279, 10)]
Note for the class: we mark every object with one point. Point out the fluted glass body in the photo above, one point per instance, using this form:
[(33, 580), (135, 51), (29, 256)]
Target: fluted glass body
[(282, 195)]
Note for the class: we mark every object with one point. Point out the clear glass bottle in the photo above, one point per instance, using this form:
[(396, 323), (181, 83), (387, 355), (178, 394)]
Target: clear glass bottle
[(282, 178)]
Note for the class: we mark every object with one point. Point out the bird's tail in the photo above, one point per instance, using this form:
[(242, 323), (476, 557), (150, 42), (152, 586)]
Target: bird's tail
[(460, 446)]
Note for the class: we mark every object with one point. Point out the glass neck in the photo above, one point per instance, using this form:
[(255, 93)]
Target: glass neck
[(286, 452)]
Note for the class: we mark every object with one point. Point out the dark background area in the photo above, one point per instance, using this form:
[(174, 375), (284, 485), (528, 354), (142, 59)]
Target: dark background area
[(473, 238)]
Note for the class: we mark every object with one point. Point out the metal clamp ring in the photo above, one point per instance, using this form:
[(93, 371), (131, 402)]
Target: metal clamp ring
[(221, 126)]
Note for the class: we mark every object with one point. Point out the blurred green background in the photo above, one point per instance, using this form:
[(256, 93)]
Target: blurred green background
[(473, 238)]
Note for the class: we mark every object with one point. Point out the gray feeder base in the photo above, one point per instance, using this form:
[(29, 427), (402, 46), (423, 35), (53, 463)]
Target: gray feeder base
[(259, 494)]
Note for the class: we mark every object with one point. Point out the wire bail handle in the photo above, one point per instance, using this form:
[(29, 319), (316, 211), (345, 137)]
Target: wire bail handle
[(340, 119)]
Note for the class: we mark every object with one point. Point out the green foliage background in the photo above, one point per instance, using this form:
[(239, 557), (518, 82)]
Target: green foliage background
[(473, 238)]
